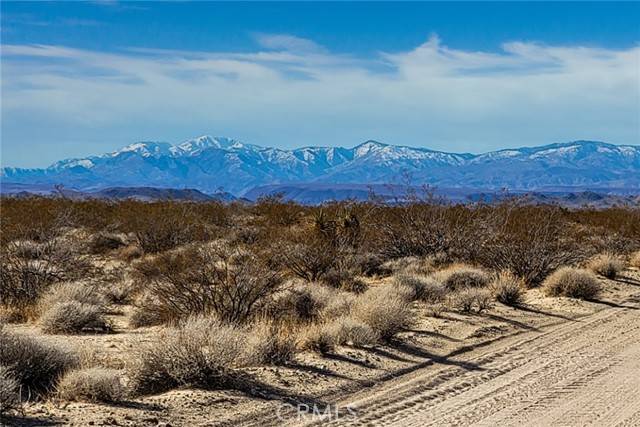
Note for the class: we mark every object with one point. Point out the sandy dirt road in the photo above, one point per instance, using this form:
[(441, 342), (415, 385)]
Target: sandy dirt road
[(578, 373)]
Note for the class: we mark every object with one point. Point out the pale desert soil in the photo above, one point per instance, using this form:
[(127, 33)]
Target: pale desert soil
[(556, 361)]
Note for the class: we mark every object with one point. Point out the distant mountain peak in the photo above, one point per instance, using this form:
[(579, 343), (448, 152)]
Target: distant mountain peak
[(368, 147), (201, 143), (146, 148), (208, 163)]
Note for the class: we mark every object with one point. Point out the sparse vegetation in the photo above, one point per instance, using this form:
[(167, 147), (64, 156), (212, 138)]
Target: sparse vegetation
[(350, 331), (320, 337), (36, 366), (468, 300), (635, 259), (9, 394), (606, 265), (209, 278), (426, 289), (573, 283), (508, 289), (270, 343), (232, 287), (460, 276), (91, 385), (201, 352), (73, 317), (384, 310)]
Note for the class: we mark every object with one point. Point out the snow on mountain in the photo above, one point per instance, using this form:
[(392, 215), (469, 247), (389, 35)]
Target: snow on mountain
[(209, 163), (146, 149)]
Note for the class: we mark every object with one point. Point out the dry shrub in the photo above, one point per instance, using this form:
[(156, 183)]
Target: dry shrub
[(338, 304), (508, 289), (120, 293), (73, 307), (303, 302), (10, 314), (35, 365), (635, 259), (573, 283), (9, 394), (319, 337), (606, 265), (28, 249), (424, 226), (370, 265), (384, 309), (162, 226), (345, 280), (530, 241), (468, 300), (83, 292), (425, 289), (212, 278), (460, 276), (91, 385), (418, 265), (201, 352), (130, 253), (354, 285), (308, 260), (24, 281), (398, 265), (73, 317), (436, 310), (347, 330), (145, 316), (270, 343), (103, 242)]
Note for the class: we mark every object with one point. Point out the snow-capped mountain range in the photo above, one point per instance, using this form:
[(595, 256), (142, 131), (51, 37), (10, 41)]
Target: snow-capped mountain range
[(211, 163)]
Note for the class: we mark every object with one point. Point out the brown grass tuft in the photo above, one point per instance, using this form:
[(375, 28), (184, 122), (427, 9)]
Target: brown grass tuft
[(91, 385), (468, 300), (201, 352), (35, 365), (384, 309), (508, 289), (320, 337), (425, 289), (460, 276), (270, 343), (73, 317), (9, 395), (348, 330), (573, 283), (606, 265)]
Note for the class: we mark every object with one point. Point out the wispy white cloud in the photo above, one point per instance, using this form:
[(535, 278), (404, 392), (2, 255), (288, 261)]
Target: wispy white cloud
[(293, 91), (288, 42), (30, 20)]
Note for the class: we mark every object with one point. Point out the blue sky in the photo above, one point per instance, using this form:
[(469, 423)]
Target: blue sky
[(86, 78)]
